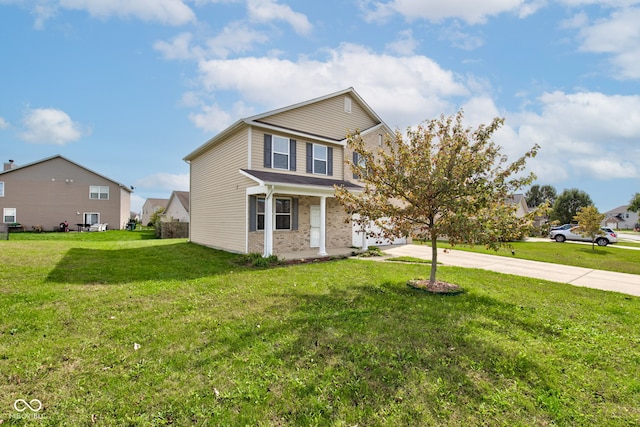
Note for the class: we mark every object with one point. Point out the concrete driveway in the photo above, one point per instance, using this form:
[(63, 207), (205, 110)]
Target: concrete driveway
[(577, 276)]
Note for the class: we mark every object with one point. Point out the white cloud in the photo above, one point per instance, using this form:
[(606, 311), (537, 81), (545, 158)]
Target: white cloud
[(271, 10), (212, 118), (50, 126), (404, 45), (470, 11), (3, 123), (586, 134), (235, 38), (164, 181), (421, 89), (619, 36), (178, 48)]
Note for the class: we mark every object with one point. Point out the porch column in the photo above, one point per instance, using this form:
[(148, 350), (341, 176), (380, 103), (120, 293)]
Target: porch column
[(323, 226), (268, 224)]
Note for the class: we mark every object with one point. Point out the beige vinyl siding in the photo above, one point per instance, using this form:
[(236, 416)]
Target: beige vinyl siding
[(257, 154), (125, 209), (326, 118), (56, 190), (218, 197), (371, 140)]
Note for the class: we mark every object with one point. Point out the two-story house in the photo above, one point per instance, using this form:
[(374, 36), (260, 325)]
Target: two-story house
[(50, 191), (620, 218), (177, 207), (266, 183)]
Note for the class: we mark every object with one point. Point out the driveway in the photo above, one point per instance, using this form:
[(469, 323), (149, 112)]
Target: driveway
[(577, 276)]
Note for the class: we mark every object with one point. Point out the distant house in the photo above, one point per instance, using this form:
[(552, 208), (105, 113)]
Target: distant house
[(521, 204), (620, 218), (55, 189), (266, 183), (150, 207), (177, 207)]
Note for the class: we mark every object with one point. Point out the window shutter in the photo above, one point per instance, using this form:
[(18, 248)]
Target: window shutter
[(330, 161), (355, 162), (267, 151), (309, 157), (294, 214), (292, 154), (253, 213)]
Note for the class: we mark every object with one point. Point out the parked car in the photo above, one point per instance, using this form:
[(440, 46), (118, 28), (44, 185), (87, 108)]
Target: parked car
[(560, 235), (563, 227)]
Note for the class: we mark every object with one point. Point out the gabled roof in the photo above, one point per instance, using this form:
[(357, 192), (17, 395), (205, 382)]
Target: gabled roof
[(17, 168), (183, 198), (256, 121)]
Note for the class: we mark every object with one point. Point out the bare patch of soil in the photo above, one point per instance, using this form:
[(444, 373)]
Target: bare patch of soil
[(439, 287)]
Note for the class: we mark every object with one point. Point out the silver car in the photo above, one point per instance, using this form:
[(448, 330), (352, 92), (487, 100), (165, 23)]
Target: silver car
[(608, 236)]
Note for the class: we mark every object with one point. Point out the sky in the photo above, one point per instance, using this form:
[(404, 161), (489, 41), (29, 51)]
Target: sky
[(128, 88)]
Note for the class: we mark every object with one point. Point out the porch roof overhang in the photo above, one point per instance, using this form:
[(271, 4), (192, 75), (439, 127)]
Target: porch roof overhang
[(300, 185)]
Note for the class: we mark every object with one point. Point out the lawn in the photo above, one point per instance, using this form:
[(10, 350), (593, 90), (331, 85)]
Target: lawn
[(109, 331)]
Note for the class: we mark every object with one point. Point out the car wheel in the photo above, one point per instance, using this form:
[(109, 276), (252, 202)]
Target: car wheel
[(560, 238), (601, 241)]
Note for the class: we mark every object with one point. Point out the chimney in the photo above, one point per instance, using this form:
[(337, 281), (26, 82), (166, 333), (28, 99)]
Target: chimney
[(9, 165)]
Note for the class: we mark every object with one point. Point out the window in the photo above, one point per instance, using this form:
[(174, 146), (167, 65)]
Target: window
[(319, 159), (280, 153), (379, 140), (98, 192), (283, 214), (9, 215), (260, 214), (1, 189)]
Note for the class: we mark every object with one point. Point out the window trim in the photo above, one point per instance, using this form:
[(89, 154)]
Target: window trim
[(1, 188), (325, 160), (99, 192), (261, 201), (274, 152), (4, 215)]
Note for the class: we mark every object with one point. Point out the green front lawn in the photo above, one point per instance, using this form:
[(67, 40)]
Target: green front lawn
[(163, 332)]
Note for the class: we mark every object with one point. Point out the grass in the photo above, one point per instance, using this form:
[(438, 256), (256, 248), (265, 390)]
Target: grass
[(607, 258), (340, 343)]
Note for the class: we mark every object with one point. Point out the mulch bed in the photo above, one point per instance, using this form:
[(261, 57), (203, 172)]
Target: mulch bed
[(439, 287)]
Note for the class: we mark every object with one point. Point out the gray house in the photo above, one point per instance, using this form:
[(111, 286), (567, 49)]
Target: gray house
[(620, 218), (55, 189)]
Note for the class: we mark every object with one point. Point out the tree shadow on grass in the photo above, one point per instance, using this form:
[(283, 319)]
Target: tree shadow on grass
[(391, 351), (179, 261)]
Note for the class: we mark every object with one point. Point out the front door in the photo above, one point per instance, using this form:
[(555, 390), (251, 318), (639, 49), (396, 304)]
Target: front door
[(315, 227)]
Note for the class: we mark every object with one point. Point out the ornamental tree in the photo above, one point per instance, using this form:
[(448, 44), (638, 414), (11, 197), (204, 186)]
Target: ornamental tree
[(634, 203), (443, 180), (589, 219)]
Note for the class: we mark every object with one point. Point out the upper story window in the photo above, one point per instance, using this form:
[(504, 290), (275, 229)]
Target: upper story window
[(279, 152), (1, 189), (320, 159), (99, 192)]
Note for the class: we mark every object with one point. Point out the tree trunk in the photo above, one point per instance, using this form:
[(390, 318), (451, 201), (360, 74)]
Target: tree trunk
[(434, 258)]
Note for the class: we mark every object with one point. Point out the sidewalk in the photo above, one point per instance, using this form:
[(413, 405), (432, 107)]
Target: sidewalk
[(577, 276)]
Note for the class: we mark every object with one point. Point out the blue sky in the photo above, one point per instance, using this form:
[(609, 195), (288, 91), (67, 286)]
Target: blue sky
[(127, 88)]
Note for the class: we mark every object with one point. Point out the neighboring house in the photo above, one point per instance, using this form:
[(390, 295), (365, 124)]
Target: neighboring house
[(521, 204), (620, 218), (150, 207), (177, 207), (266, 183), (53, 190)]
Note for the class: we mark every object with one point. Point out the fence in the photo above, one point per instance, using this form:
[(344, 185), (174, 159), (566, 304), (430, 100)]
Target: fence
[(172, 230)]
